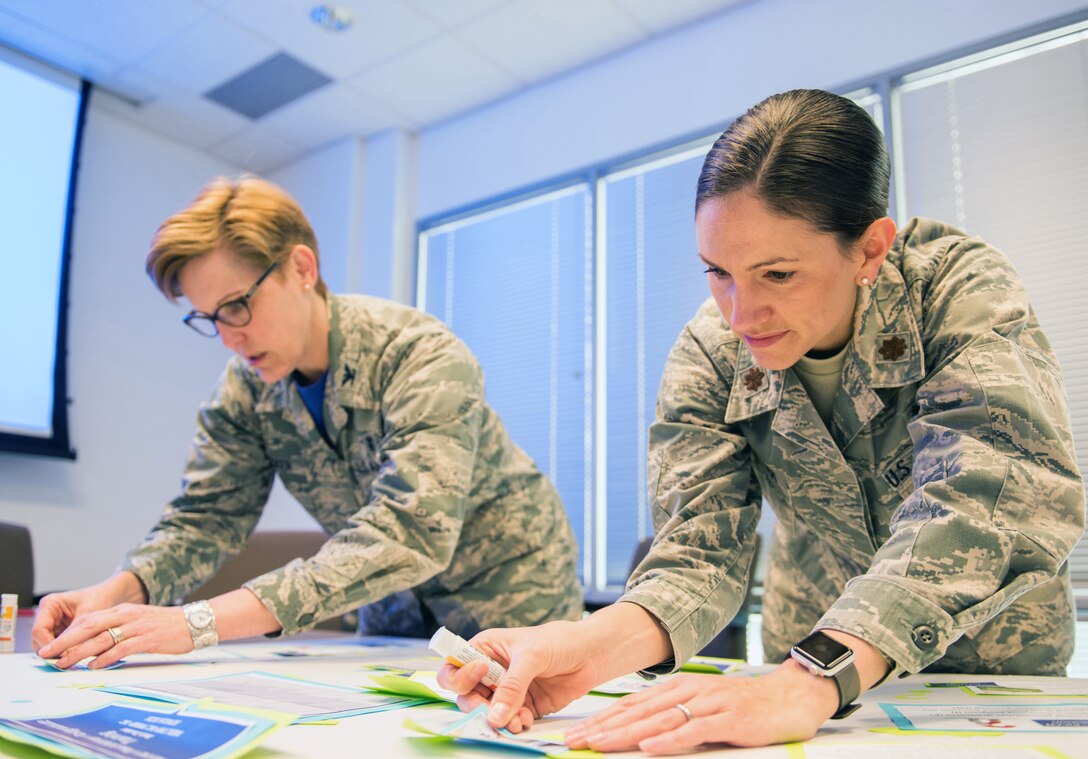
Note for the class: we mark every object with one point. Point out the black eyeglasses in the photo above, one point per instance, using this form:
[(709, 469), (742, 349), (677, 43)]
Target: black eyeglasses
[(233, 313)]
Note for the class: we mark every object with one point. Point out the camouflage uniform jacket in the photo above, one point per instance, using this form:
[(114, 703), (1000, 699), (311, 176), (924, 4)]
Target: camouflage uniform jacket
[(420, 488), (933, 519)]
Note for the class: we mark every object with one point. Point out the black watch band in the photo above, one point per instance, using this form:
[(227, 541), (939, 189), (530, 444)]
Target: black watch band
[(846, 680)]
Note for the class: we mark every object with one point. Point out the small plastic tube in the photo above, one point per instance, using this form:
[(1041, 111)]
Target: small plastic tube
[(458, 652), (9, 614)]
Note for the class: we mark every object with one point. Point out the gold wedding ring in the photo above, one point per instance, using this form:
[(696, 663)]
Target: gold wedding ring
[(685, 711), (118, 636)]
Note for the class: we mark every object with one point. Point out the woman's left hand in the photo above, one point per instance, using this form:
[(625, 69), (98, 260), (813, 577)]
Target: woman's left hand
[(140, 629), (786, 705)]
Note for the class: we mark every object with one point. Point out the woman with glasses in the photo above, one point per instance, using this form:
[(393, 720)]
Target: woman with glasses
[(373, 416), (892, 397)]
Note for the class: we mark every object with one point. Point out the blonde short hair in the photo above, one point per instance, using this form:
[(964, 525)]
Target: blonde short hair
[(254, 219)]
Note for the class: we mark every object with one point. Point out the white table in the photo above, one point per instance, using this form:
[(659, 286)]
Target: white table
[(29, 689)]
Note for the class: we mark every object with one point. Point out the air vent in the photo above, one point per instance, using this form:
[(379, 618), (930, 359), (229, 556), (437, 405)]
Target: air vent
[(269, 85)]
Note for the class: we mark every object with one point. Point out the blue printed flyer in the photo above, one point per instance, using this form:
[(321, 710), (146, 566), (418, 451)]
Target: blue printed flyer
[(147, 732)]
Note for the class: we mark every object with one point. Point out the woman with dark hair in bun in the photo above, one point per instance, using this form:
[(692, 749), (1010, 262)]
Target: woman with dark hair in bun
[(892, 397)]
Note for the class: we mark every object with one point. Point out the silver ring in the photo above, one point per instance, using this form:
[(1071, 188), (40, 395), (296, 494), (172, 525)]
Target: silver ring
[(116, 634), (685, 711)]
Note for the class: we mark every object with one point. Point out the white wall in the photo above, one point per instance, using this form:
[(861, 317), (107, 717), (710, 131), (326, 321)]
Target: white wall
[(135, 372), (697, 78), (329, 185)]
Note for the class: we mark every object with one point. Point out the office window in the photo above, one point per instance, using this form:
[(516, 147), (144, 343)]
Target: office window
[(653, 284), (998, 145), (515, 283)]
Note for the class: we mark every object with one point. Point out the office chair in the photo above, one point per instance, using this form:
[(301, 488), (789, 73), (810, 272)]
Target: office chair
[(17, 562)]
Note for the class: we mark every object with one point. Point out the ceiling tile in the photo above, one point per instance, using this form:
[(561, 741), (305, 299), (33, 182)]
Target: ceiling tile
[(450, 14), (535, 39), (435, 80), (255, 149), (187, 118), (331, 113), (57, 50), (126, 30), (658, 16), (382, 29), (139, 89), (191, 119), (206, 54)]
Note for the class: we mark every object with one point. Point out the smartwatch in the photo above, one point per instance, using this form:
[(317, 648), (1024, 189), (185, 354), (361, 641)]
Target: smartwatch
[(824, 656), (201, 621)]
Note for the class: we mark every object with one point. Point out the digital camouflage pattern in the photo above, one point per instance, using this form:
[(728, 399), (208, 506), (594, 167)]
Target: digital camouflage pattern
[(933, 520), (435, 517)]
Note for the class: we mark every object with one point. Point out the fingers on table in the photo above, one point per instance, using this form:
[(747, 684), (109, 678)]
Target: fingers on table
[(628, 734), (95, 645), (91, 635), (644, 715)]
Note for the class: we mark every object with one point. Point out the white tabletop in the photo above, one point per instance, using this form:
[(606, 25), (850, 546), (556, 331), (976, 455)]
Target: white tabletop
[(30, 688)]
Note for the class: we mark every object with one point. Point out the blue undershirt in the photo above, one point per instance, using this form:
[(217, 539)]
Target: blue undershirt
[(313, 395)]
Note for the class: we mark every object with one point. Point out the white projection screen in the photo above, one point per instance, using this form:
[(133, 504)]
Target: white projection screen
[(39, 150)]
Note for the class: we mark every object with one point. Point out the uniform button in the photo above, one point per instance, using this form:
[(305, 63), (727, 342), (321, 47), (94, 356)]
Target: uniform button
[(924, 636)]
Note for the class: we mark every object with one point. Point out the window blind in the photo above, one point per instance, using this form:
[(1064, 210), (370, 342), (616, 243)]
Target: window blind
[(516, 285), (655, 283)]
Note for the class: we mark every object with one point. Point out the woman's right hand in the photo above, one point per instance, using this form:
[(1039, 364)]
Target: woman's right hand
[(547, 667), (57, 610), (551, 665)]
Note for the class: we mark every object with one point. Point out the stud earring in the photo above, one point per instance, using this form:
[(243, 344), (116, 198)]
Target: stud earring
[(307, 285), (864, 281)]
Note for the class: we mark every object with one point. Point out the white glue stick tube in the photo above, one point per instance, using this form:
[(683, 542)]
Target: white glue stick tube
[(458, 652)]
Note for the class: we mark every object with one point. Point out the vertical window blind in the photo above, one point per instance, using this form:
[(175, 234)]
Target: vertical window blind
[(655, 283), (515, 285)]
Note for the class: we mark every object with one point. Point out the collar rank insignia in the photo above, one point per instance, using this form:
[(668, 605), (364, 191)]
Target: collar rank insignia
[(892, 348), (349, 376), (753, 379)]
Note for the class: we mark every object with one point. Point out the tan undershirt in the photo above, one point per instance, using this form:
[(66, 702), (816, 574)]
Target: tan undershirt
[(821, 378)]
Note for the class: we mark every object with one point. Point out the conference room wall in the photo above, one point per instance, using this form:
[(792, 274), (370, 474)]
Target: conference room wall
[(693, 81), (135, 376)]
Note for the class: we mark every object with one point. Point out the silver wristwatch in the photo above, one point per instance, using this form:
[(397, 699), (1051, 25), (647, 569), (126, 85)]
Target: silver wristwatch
[(201, 620)]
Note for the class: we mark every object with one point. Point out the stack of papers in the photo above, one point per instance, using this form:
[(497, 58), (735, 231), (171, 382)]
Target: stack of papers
[(310, 701)]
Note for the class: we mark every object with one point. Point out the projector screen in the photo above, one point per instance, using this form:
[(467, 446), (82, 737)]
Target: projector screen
[(39, 148)]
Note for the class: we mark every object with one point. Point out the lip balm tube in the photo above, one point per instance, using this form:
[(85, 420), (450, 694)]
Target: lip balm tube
[(9, 612), (458, 652)]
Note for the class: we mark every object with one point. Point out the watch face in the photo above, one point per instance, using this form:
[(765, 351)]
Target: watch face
[(200, 618), (823, 650)]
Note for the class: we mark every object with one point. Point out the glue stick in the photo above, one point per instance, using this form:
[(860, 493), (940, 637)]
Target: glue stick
[(9, 612), (458, 652)]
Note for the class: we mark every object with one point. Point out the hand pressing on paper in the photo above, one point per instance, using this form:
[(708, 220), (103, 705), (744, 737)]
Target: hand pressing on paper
[(58, 611), (110, 634), (112, 620), (784, 706)]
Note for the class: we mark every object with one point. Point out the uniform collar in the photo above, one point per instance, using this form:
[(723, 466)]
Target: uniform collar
[(345, 382), (885, 351)]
